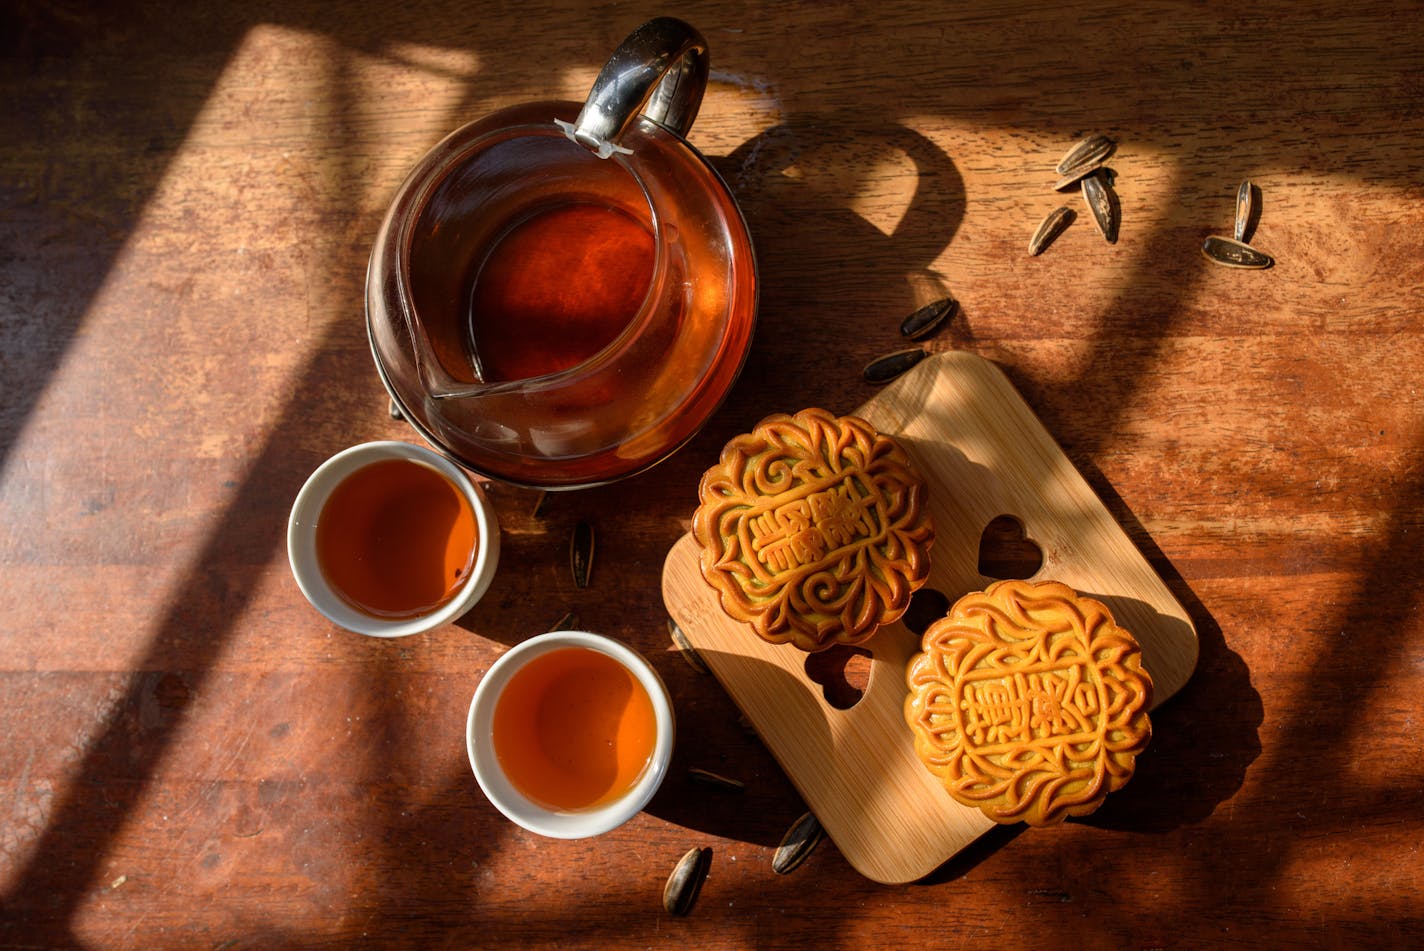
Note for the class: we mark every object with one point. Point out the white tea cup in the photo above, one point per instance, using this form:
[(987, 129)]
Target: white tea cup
[(302, 548), (492, 772)]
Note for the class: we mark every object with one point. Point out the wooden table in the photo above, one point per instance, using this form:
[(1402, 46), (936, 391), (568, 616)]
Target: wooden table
[(187, 198)]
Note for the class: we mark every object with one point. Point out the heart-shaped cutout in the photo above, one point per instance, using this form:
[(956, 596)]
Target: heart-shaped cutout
[(842, 672), (1006, 551)]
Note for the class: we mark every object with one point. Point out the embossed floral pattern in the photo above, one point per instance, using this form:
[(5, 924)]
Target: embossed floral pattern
[(814, 529), (1029, 702)]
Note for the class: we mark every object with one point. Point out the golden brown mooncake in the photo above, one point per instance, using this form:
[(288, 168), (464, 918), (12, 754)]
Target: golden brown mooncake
[(813, 529), (1029, 702)]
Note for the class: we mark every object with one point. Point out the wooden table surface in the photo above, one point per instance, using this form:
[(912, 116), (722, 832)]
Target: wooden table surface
[(188, 194)]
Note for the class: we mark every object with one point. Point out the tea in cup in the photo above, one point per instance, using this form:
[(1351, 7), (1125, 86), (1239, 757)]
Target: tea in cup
[(570, 734), (389, 539)]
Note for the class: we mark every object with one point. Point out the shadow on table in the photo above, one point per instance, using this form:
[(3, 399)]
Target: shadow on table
[(1205, 737), (713, 735), (823, 265), (794, 221)]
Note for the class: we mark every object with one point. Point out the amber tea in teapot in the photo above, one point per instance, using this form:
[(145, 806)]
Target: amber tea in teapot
[(556, 289), (563, 293)]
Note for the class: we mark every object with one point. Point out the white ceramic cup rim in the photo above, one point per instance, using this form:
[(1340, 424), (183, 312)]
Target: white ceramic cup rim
[(518, 808), (301, 540)]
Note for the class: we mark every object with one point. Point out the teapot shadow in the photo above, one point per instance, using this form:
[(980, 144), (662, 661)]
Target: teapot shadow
[(824, 268)]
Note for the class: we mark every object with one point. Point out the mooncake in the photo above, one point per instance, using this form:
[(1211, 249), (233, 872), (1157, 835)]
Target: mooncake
[(1029, 702), (813, 529)]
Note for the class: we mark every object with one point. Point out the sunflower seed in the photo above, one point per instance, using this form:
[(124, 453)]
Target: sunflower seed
[(708, 778), (1245, 211), (1102, 202), (886, 368), (685, 648), (569, 622), (1232, 253), (1075, 176), (581, 554), (1051, 227), (800, 840), (1085, 153), (927, 319), (394, 410), (680, 892)]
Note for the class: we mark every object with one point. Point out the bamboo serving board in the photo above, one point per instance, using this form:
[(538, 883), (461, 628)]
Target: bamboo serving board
[(985, 455)]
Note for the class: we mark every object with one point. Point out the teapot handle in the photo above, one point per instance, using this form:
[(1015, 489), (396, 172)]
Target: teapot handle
[(660, 70)]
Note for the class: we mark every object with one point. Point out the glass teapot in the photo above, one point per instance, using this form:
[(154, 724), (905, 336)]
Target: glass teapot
[(562, 294)]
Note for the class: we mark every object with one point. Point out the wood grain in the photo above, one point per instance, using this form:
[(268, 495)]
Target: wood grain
[(188, 195)]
